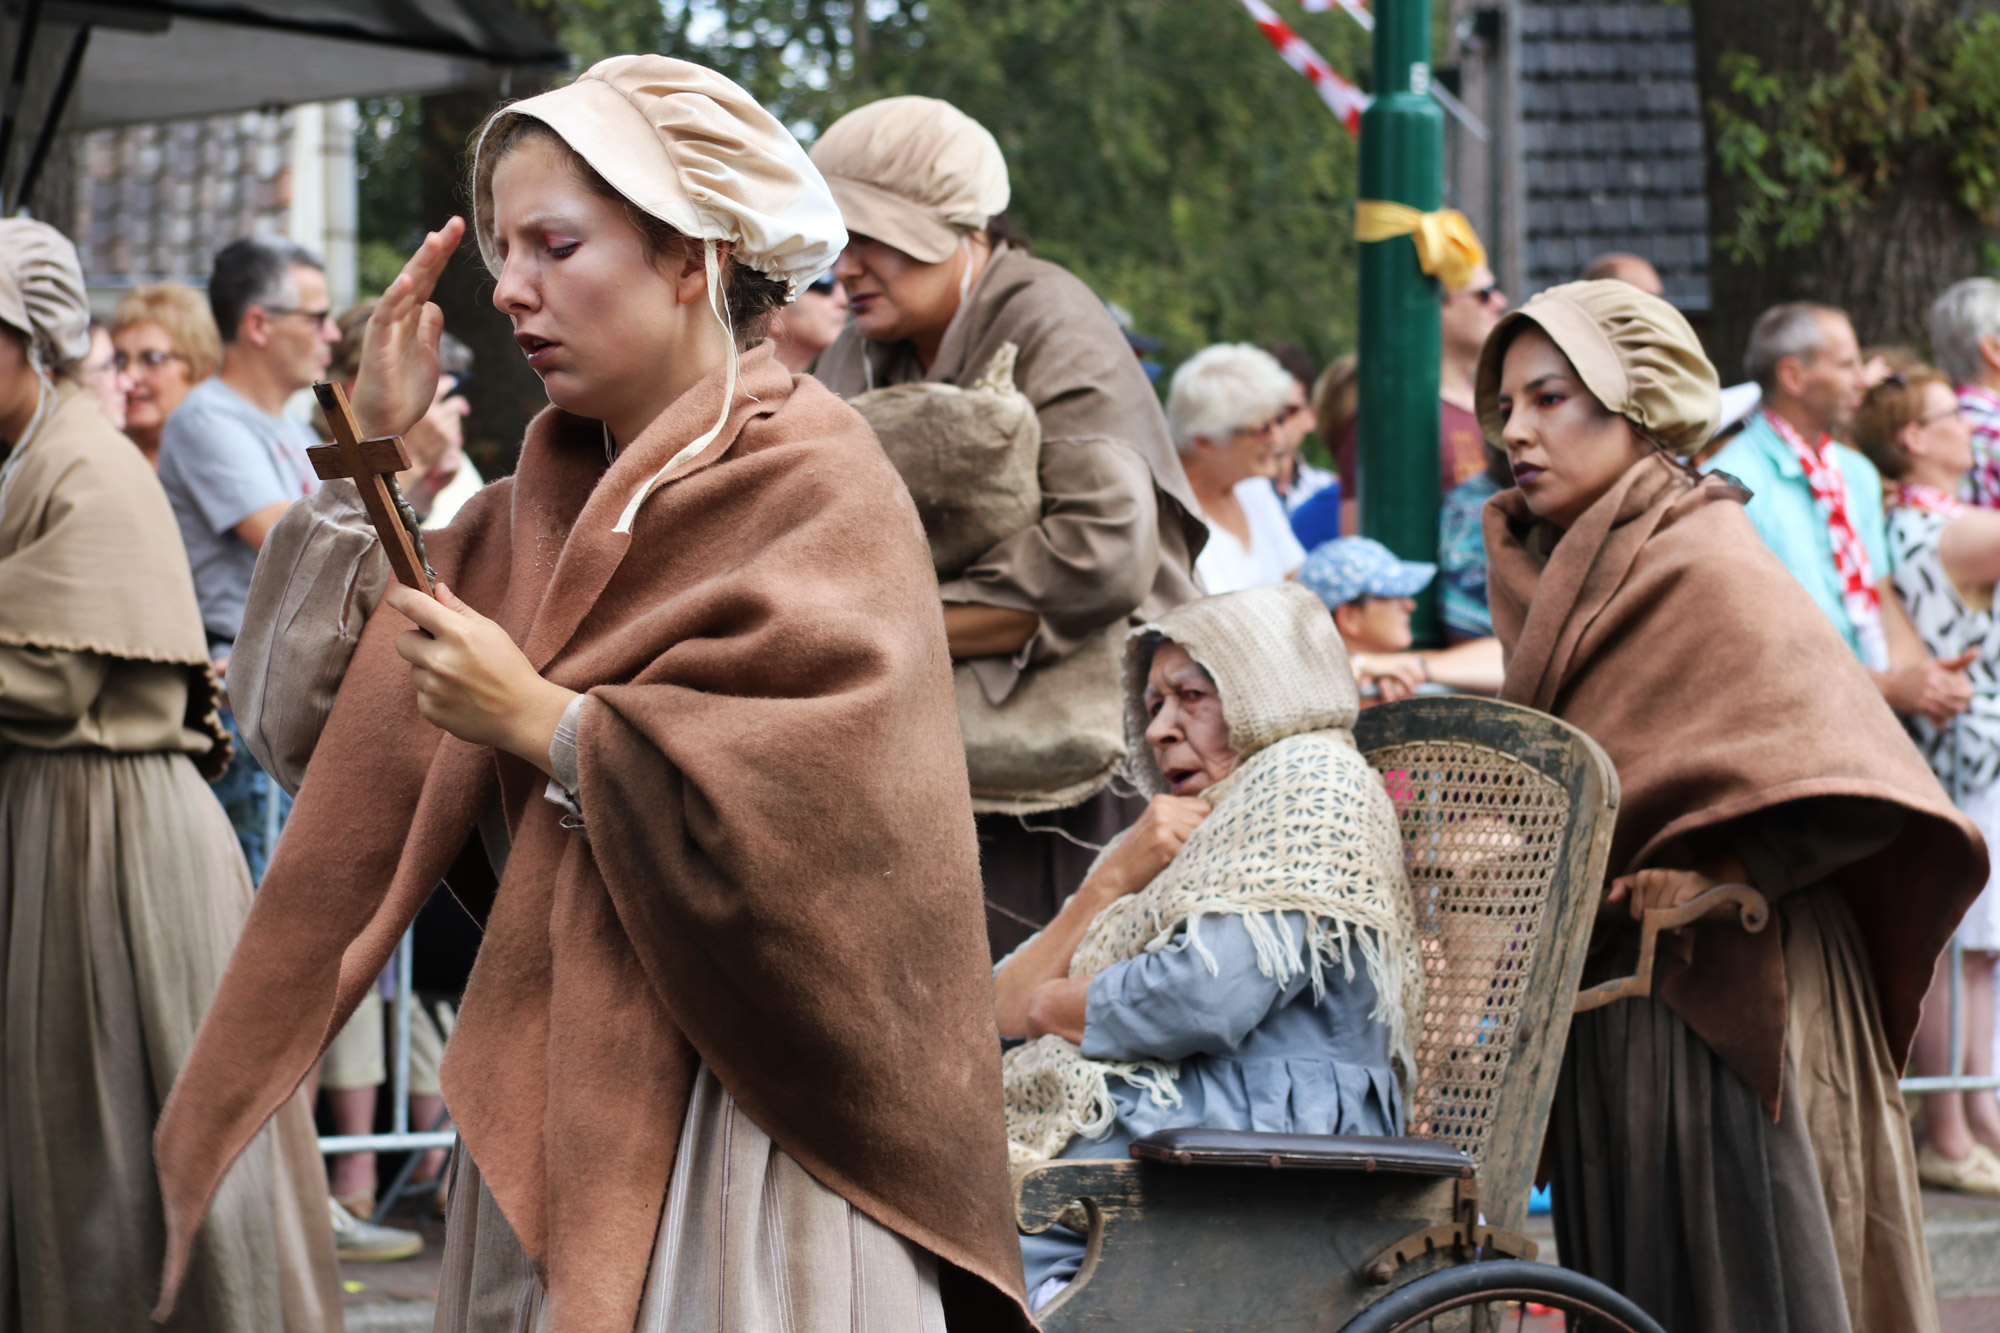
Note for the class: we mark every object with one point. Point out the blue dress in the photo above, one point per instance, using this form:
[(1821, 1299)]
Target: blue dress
[(1253, 1054)]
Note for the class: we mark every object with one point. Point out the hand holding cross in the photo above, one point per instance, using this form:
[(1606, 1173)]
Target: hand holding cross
[(373, 465)]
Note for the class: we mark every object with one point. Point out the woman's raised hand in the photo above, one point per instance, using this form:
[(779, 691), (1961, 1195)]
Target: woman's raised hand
[(1155, 838), (399, 352)]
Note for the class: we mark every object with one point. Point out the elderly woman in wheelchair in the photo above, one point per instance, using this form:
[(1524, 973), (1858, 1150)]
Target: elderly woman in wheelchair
[(1244, 956)]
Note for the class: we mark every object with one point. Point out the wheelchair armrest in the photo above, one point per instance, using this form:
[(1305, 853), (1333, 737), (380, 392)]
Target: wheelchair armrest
[(1322, 1152)]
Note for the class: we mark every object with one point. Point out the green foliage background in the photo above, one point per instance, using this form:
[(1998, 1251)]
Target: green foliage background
[(1158, 148), (1916, 82)]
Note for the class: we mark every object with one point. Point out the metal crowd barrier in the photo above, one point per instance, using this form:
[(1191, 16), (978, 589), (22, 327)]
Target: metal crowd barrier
[(1957, 1080), (400, 1137)]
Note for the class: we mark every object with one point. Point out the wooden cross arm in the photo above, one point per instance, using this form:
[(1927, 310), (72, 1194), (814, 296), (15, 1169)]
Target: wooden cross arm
[(387, 454), (373, 465)]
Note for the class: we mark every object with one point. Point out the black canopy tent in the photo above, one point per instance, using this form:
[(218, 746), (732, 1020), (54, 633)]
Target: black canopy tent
[(85, 64)]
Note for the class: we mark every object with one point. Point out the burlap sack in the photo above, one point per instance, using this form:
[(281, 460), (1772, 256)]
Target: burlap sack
[(970, 457), (1056, 740)]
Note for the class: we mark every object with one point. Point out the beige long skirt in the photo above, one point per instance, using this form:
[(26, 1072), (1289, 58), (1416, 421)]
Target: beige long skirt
[(124, 891), (1854, 1116), (748, 1240)]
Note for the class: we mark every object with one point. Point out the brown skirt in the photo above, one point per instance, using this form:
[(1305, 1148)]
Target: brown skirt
[(747, 1240), (124, 892), (1032, 863), (1672, 1185)]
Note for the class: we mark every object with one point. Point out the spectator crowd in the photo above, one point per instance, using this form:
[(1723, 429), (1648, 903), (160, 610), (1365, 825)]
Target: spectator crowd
[(1162, 617)]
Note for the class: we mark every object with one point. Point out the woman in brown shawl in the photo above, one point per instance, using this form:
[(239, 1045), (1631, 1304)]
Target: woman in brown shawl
[(122, 883), (938, 286), (1730, 1153), (727, 1058)]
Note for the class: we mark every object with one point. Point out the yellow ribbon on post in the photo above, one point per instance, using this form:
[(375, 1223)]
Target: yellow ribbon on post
[(1447, 247)]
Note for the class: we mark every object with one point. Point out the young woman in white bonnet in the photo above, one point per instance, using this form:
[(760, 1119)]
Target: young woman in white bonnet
[(937, 288), (727, 1058), (123, 884), (1245, 955)]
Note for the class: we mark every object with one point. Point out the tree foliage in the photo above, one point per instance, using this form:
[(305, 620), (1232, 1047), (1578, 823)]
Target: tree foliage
[(1160, 150), (1915, 82)]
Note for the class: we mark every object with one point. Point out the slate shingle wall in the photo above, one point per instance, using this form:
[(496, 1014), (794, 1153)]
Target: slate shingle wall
[(1611, 141)]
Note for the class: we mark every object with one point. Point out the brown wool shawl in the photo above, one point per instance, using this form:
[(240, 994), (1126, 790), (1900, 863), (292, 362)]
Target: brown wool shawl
[(1662, 626), (91, 561), (778, 875)]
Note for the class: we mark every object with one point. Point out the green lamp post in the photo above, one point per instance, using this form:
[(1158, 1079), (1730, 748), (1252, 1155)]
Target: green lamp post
[(1402, 149)]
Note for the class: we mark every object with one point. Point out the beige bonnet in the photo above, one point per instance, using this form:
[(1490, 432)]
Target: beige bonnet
[(1278, 665), (913, 172), (693, 149), (41, 290), (1633, 351)]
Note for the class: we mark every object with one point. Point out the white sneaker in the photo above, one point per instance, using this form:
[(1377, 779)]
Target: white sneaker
[(364, 1242)]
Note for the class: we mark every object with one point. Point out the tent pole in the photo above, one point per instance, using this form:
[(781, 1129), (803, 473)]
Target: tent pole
[(17, 82), (58, 103)]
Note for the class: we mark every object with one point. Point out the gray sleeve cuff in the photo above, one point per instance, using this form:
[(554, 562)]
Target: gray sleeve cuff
[(562, 788)]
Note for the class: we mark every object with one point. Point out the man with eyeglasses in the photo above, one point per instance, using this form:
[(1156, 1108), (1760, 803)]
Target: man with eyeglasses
[(1467, 315), (1818, 503), (231, 461)]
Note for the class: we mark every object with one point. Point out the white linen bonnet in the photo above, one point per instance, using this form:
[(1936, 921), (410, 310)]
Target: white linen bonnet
[(696, 151), (693, 149), (41, 290)]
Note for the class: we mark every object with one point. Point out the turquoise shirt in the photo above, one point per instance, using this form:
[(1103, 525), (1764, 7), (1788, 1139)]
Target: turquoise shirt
[(1790, 521)]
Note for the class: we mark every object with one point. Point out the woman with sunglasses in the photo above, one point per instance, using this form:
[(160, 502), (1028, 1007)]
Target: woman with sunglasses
[(940, 287), (164, 343), (810, 324), (1947, 559)]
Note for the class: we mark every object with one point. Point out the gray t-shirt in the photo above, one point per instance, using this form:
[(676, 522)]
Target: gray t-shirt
[(222, 459)]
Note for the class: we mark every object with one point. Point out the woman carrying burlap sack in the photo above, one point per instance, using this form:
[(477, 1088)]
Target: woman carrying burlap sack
[(1106, 529), (1245, 955)]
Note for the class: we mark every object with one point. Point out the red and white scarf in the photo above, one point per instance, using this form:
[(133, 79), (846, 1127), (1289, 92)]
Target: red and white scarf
[(1916, 495), (1850, 554)]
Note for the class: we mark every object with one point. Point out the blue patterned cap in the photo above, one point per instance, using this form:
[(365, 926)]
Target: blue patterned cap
[(1345, 568)]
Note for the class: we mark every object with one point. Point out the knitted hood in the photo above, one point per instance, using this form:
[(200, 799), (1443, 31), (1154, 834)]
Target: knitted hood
[(1276, 659)]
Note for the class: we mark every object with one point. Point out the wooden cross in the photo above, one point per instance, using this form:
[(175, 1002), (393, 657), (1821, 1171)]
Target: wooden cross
[(373, 465)]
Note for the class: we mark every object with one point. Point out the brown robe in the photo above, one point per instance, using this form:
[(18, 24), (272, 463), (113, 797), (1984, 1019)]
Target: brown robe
[(1120, 528), (1666, 629), (124, 890), (768, 883), (1661, 625), (1116, 542)]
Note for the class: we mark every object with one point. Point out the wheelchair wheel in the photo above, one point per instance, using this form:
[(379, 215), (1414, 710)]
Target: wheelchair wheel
[(1494, 1298)]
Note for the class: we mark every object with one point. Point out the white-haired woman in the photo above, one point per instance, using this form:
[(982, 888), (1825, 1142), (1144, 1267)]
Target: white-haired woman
[(727, 1053), (1225, 408), (1965, 339)]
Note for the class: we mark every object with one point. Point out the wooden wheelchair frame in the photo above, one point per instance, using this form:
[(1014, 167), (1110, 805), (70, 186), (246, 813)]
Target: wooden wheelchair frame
[(1507, 817)]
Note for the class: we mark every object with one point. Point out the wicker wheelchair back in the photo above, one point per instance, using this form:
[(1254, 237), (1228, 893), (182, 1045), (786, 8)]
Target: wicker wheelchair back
[(1506, 816)]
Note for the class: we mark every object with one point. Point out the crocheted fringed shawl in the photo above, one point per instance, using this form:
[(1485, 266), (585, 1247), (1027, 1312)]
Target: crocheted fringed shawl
[(1302, 825)]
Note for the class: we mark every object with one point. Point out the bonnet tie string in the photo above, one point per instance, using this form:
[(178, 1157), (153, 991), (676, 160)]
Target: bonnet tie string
[(719, 303)]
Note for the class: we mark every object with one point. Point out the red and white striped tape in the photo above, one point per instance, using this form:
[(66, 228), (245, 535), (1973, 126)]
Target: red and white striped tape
[(1344, 99), (1359, 12), (1357, 9)]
